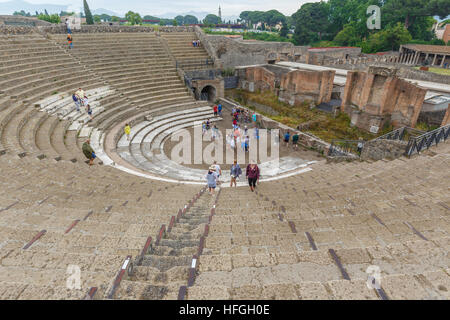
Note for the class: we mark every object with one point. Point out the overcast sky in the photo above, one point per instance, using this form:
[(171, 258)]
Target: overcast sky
[(229, 7)]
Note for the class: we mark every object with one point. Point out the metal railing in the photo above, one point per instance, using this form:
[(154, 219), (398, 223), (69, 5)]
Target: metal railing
[(346, 148), (194, 63), (402, 133), (426, 140)]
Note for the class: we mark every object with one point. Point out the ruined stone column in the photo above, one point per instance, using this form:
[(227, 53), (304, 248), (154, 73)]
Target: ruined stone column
[(443, 60), (446, 119), (434, 59)]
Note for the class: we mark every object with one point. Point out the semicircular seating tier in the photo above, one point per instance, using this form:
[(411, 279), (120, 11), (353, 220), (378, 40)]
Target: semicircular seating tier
[(315, 235)]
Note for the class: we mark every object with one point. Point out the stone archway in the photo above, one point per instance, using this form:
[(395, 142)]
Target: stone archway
[(208, 93)]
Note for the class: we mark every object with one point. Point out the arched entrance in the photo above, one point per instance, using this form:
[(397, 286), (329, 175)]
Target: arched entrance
[(208, 94)]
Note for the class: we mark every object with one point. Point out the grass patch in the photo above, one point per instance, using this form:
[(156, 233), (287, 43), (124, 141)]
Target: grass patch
[(445, 72), (323, 125)]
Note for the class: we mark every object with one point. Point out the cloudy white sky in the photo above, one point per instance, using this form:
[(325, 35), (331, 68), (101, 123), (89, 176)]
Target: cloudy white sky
[(229, 7)]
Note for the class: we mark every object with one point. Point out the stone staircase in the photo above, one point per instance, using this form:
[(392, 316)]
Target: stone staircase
[(315, 235), (168, 263), (186, 55)]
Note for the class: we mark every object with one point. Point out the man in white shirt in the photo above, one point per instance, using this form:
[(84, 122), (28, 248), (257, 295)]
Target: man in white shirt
[(218, 171)]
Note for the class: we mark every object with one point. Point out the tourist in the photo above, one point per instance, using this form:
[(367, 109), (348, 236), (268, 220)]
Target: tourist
[(215, 132), (245, 130), (77, 102), (127, 130), (257, 133), (85, 101), (295, 138), (211, 179), (203, 128), (218, 171), (252, 174), (235, 172), (287, 136), (88, 151), (215, 110), (89, 111), (360, 145), (233, 111), (198, 43), (233, 142), (234, 124), (246, 143), (193, 43), (208, 125), (69, 39), (254, 117), (219, 108), (80, 94), (68, 26), (243, 144)]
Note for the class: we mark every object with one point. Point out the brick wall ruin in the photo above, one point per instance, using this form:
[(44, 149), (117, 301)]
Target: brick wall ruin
[(292, 87), (300, 85), (377, 96), (256, 79)]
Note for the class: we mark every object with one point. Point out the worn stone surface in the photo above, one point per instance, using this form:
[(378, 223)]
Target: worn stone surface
[(383, 149), (378, 96)]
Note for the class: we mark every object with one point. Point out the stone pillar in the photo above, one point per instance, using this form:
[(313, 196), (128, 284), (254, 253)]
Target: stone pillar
[(417, 57), (434, 59), (446, 119), (443, 60)]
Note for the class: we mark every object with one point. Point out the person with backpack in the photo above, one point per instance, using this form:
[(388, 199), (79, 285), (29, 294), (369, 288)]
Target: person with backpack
[(127, 130), (246, 143), (235, 172), (219, 108), (69, 39), (252, 174), (77, 102), (287, 137), (215, 110), (295, 138), (88, 151)]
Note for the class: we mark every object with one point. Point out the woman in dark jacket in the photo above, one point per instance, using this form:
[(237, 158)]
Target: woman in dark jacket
[(252, 174)]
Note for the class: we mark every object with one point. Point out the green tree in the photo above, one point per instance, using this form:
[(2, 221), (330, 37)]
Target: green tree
[(189, 19), (97, 18), (211, 19), (311, 22), (388, 39), (45, 11), (54, 18), (87, 12), (133, 18), (115, 19), (408, 11), (105, 17), (284, 30), (347, 36), (273, 17), (179, 20), (175, 22)]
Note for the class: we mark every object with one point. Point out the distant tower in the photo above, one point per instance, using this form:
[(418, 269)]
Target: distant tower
[(220, 13)]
